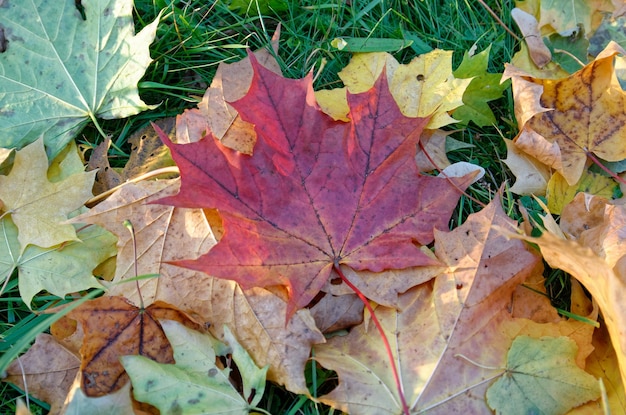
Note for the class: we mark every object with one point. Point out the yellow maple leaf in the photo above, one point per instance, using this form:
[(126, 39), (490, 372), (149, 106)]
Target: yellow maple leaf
[(581, 114), (37, 206), (425, 87)]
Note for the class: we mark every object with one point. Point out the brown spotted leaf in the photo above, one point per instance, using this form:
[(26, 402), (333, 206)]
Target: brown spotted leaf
[(580, 114), (114, 327)]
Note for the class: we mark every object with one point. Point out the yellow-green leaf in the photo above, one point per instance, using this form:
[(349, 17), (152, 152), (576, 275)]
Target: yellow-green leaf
[(541, 377)]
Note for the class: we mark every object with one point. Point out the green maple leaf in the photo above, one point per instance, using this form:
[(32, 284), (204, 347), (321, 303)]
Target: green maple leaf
[(194, 384), (59, 71), (542, 378), (38, 206), (483, 88), (60, 270)]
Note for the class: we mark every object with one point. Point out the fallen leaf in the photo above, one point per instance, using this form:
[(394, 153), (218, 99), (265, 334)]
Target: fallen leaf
[(215, 114), (114, 327), (337, 312), (531, 176), (37, 206), (596, 259), (464, 307), (425, 87), (564, 15), (165, 233), (433, 156), (559, 193), (118, 402), (64, 81), (59, 270), (576, 111), (542, 377), (34, 368), (528, 25), (195, 384), (603, 364), (147, 151), (355, 187), (106, 177), (484, 87)]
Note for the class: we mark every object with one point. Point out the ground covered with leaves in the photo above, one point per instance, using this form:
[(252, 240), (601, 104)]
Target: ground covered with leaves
[(367, 207)]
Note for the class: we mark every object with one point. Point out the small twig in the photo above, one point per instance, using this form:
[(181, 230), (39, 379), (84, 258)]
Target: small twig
[(500, 22)]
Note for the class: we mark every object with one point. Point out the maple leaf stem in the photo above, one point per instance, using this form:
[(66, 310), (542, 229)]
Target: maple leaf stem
[(379, 327), (129, 226), (448, 177), (603, 167)]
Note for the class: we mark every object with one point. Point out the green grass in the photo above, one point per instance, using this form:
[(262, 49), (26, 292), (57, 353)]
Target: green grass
[(196, 35)]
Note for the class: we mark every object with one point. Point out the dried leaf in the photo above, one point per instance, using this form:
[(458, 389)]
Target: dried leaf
[(37, 206), (49, 370), (114, 327)]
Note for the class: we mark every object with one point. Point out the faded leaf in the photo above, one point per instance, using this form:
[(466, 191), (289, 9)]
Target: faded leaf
[(195, 384), (59, 270), (425, 87), (464, 308), (531, 176), (596, 259), (579, 108), (147, 151), (53, 85), (164, 233), (35, 367), (114, 327), (528, 25), (37, 206), (434, 142), (559, 193), (106, 177), (542, 377), (565, 15), (361, 204)]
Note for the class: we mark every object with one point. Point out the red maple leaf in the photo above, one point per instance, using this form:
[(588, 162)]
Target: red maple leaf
[(316, 193)]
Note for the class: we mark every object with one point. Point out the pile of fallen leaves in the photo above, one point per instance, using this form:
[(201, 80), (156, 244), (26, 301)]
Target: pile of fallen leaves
[(306, 225)]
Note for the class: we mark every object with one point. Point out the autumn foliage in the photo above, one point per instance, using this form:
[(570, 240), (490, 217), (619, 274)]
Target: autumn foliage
[(306, 226)]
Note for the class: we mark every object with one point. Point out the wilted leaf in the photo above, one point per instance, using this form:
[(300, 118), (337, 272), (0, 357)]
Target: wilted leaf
[(528, 25), (531, 176), (575, 115), (118, 402), (195, 384), (114, 327), (341, 193), (542, 377), (48, 369), (37, 206), (58, 71), (147, 151), (565, 15)]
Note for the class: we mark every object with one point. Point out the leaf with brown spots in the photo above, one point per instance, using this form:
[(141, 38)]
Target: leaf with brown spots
[(581, 114), (114, 327)]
